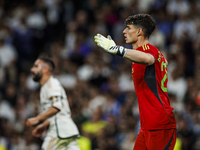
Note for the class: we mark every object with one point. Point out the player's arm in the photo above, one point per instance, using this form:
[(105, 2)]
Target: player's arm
[(139, 57), (41, 117), (135, 56), (47, 114)]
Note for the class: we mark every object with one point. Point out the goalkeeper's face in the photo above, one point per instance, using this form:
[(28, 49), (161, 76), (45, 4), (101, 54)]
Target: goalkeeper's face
[(130, 34), (36, 70)]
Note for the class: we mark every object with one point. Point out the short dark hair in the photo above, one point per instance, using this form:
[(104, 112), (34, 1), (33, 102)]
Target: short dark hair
[(49, 62), (145, 21)]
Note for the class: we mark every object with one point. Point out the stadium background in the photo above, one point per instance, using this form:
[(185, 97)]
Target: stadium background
[(99, 85)]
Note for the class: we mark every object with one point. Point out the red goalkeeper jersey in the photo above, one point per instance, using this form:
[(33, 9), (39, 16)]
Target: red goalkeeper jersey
[(151, 89)]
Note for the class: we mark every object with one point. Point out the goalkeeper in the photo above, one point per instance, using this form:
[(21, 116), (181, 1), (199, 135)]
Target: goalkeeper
[(149, 71)]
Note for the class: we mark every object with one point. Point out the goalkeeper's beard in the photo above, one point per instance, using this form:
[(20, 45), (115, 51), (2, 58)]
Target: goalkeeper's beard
[(37, 77)]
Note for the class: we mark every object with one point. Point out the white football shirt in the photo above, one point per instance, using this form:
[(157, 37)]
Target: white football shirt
[(61, 124)]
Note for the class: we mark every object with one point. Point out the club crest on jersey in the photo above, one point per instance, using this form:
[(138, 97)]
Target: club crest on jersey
[(145, 47)]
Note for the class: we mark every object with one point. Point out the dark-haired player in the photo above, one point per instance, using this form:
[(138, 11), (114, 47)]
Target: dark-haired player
[(149, 71), (62, 132)]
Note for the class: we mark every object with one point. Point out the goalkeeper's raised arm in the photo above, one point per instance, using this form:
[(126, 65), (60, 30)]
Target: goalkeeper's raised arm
[(133, 55)]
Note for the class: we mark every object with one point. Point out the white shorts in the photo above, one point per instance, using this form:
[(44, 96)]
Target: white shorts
[(52, 143)]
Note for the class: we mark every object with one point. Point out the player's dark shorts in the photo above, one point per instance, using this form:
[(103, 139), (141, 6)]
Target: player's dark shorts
[(155, 139)]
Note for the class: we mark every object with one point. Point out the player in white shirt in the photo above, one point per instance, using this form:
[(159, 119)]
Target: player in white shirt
[(62, 132)]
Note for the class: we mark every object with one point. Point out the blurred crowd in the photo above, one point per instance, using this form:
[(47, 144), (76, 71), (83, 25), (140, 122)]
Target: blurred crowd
[(99, 85)]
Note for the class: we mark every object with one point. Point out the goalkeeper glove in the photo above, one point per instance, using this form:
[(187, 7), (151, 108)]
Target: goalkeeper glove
[(109, 45)]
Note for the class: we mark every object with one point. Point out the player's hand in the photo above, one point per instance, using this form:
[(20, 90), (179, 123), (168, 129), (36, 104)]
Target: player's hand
[(32, 121), (109, 45), (105, 43), (38, 130)]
